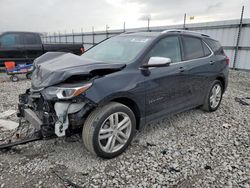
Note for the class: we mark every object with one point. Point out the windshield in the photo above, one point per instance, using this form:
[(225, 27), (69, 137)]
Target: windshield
[(119, 49)]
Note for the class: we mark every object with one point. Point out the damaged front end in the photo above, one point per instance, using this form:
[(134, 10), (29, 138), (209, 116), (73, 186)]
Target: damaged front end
[(55, 111), (56, 105)]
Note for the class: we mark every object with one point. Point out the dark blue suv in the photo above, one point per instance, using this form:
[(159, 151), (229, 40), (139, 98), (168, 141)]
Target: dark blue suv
[(122, 84)]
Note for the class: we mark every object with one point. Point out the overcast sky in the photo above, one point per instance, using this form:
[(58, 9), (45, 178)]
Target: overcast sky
[(61, 15)]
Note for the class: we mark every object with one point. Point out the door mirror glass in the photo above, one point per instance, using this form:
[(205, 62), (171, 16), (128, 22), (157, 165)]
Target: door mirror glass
[(158, 62)]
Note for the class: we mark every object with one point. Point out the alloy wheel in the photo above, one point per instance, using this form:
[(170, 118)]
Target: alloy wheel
[(115, 132), (215, 96)]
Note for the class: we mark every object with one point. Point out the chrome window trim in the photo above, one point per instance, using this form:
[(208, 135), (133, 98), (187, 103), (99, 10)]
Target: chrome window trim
[(205, 57), (186, 61)]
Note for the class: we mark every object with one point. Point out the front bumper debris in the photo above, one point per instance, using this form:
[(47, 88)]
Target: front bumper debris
[(35, 137), (63, 110), (31, 117), (48, 119)]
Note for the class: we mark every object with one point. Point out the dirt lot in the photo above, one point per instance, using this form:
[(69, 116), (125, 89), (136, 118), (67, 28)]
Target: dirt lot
[(191, 149)]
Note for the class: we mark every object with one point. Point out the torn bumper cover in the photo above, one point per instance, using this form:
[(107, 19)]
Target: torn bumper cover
[(52, 117), (31, 117)]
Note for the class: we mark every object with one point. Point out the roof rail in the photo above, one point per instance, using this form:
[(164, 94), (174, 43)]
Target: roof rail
[(184, 31), (136, 31)]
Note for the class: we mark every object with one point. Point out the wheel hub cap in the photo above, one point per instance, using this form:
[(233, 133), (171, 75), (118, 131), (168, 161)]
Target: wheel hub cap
[(215, 96), (114, 132)]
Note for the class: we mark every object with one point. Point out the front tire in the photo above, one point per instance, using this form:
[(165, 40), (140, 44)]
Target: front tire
[(109, 130), (214, 97)]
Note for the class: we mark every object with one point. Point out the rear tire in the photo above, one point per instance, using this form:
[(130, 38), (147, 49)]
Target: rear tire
[(108, 130), (14, 78), (213, 97)]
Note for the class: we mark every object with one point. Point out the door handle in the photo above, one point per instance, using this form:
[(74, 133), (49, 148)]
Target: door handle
[(211, 62), (181, 69)]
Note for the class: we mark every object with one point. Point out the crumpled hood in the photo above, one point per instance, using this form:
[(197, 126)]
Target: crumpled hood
[(55, 67)]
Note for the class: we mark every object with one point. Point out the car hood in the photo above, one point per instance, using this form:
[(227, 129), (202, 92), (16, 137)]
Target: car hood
[(55, 67)]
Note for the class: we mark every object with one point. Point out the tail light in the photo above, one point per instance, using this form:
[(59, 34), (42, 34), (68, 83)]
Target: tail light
[(227, 60), (82, 50)]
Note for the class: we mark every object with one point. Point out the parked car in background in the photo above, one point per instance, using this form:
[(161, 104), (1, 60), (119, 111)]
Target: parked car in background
[(24, 47), (123, 83)]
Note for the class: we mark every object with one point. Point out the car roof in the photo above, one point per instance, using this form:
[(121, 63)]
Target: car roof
[(19, 32)]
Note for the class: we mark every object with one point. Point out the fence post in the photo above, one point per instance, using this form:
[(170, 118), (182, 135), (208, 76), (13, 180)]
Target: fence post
[(107, 33), (238, 39), (124, 27), (148, 24), (66, 37), (59, 36), (55, 37), (73, 36), (93, 36), (49, 38), (184, 23), (82, 36)]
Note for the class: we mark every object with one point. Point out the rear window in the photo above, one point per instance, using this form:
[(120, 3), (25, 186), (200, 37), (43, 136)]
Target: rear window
[(193, 48), (31, 39), (215, 46)]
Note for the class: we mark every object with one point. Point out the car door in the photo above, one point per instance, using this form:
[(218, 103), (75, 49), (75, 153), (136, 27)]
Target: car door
[(11, 48), (33, 46), (198, 61), (167, 90)]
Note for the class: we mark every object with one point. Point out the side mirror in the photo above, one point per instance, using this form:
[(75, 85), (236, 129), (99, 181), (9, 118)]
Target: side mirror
[(157, 62)]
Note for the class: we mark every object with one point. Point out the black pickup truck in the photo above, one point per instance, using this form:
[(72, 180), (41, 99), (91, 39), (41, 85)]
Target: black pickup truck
[(24, 47)]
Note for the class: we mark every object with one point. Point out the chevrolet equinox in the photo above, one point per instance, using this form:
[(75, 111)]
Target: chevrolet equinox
[(123, 83)]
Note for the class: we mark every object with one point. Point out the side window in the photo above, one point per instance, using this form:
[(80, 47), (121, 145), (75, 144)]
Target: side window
[(192, 48), (215, 46), (167, 47), (10, 40), (30, 39), (207, 52)]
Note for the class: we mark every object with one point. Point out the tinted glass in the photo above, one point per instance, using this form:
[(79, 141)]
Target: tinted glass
[(10, 40), (192, 48), (207, 52), (30, 39), (118, 49), (168, 47), (215, 46)]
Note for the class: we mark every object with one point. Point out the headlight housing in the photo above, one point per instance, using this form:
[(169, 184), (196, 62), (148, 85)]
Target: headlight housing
[(65, 92)]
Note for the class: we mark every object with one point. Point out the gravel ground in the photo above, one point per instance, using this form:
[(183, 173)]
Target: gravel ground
[(191, 149)]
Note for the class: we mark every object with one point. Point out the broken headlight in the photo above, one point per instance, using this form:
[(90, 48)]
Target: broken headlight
[(65, 92)]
